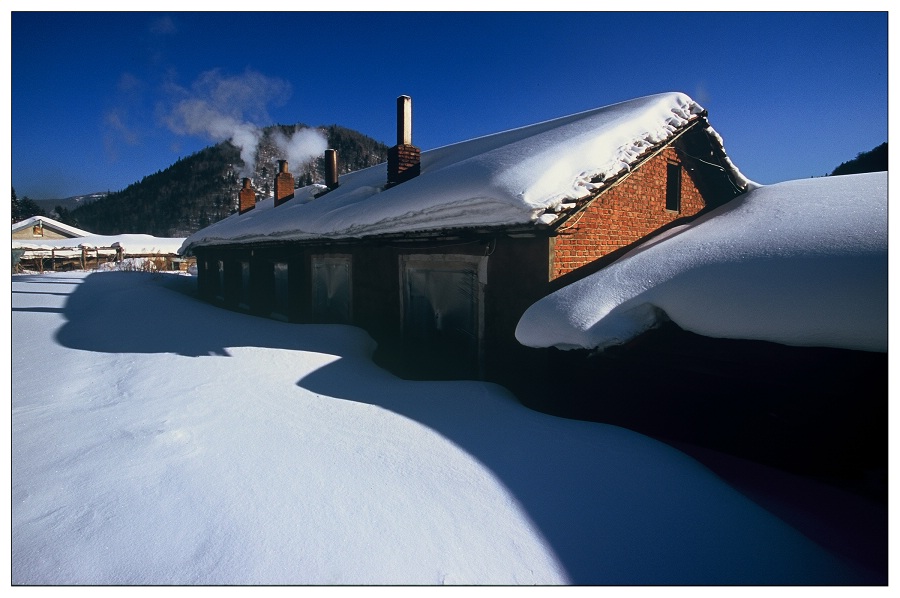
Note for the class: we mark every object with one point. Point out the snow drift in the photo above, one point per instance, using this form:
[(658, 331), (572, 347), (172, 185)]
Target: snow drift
[(174, 442), (799, 263)]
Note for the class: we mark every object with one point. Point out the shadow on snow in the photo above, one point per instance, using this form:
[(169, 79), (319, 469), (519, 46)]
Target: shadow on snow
[(614, 506)]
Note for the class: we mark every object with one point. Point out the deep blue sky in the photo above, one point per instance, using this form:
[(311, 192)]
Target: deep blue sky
[(792, 94)]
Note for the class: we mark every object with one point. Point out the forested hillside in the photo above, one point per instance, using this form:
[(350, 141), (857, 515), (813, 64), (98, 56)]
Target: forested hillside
[(874, 160), (202, 188)]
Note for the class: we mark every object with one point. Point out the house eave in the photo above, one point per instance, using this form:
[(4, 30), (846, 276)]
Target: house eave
[(651, 152), (402, 238)]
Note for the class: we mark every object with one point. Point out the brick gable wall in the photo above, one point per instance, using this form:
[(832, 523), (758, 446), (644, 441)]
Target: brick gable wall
[(403, 163), (632, 209)]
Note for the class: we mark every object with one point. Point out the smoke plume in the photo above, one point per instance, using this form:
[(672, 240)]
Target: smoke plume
[(231, 108), (302, 146)]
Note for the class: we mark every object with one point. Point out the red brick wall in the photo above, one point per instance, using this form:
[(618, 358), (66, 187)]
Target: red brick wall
[(284, 187), (630, 210), (247, 197), (403, 163)]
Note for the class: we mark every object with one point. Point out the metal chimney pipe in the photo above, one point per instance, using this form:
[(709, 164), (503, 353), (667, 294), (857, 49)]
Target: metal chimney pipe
[(331, 169), (404, 120), (404, 159)]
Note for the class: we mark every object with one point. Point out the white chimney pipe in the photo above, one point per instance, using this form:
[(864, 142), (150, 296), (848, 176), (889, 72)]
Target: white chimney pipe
[(404, 120)]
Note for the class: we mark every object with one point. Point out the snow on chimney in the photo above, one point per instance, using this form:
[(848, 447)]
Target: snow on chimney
[(331, 169), (284, 184), (403, 158), (246, 197)]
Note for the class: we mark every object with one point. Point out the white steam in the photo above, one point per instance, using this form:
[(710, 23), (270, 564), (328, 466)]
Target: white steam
[(229, 108), (302, 146), (199, 117)]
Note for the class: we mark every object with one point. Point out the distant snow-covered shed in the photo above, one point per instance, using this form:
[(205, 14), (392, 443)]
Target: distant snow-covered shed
[(42, 227), (39, 239), (438, 254)]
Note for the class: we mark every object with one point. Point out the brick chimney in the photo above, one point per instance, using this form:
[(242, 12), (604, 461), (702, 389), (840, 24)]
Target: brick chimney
[(284, 184), (246, 197), (403, 158), (331, 169)]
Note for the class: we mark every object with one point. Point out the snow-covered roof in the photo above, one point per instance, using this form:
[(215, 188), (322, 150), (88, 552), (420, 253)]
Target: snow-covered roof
[(50, 223), (525, 176), (133, 244), (800, 263)]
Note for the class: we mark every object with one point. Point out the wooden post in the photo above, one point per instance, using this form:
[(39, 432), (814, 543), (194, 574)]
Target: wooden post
[(53, 259), (83, 258)]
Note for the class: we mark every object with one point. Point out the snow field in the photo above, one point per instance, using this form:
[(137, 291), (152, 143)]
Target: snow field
[(160, 440)]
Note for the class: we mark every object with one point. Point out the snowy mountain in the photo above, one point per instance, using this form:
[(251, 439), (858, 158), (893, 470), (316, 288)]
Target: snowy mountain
[(70, 203)]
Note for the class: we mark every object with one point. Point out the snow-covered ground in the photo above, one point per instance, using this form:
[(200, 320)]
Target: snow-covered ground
[(160, 440), (801, 263)]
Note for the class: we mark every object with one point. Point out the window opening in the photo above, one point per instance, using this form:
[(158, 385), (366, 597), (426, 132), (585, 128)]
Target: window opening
[(220, 281), (280, 295), (673, 187), (244, 296), (442, 303), (331, 288)]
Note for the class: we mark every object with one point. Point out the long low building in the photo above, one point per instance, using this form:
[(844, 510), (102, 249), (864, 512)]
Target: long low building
[(438, 253)]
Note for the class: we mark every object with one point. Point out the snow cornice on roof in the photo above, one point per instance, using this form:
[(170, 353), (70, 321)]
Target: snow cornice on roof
[(801, 263), (525, 178)]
